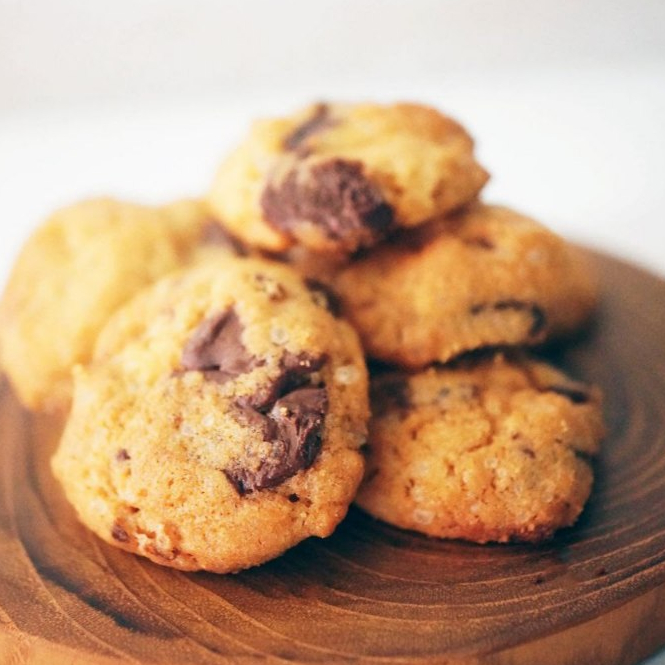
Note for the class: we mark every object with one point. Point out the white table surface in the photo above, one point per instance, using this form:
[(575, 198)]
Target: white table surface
[(140, 99)]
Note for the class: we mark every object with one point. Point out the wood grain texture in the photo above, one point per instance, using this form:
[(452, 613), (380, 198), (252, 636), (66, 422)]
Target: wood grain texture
[(371, 593)]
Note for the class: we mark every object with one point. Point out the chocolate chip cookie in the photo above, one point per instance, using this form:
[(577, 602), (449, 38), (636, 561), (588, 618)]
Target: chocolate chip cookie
[(74, 271), (488, 450), (338, 177), (220, 420), (485, 277)]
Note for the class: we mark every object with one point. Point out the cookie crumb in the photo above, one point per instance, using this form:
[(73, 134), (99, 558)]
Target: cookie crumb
[(347, 374)]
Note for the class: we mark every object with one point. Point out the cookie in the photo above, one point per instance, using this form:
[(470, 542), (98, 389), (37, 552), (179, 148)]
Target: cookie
[(75, 270), (338, 177), (491, 450), (486, 277), (220, 420)]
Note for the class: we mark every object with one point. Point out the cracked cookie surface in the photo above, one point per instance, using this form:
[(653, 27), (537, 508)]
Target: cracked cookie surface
[(339, 177), (76, 269), (220, 420), (485, 277), (490, 449)]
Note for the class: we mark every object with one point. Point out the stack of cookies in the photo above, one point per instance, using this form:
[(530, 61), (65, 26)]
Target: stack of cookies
[(212, 355)]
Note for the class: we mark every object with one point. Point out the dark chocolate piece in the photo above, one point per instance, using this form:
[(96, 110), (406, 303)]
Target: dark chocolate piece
[(293, 428), (295, 372), (335, 196), (216, 349), (290, 415), (122, 455)]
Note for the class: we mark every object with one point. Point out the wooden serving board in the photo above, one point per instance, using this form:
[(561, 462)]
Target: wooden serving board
[(371, 593)]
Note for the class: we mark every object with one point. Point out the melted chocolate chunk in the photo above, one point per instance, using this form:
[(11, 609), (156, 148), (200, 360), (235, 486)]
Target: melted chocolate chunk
[(319, 121), (216, 349), (290, 415), (538, 318), (577, 393), (293, 428), (295, 372), (334, 196), (213, 233), (329, 298), (119, 534)]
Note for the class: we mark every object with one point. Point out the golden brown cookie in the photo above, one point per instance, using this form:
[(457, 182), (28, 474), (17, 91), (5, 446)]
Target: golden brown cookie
[(220, 421), (75, 270), (487, 277), (487, 450), (338, 177)]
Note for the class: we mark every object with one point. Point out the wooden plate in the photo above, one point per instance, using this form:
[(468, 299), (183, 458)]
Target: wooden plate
[(596, 594)]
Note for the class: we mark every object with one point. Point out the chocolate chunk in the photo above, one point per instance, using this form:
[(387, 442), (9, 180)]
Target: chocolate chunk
[(122, 455), (576, 393), (325, 296), (298, 417), (119, 534), (290, 416), (538, 318), (216, 349), (293, 428), (213, 233), (295, 372), (319, 121), (334, 196)]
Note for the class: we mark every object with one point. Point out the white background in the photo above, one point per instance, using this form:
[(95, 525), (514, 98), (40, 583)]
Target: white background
[(140, 98)]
